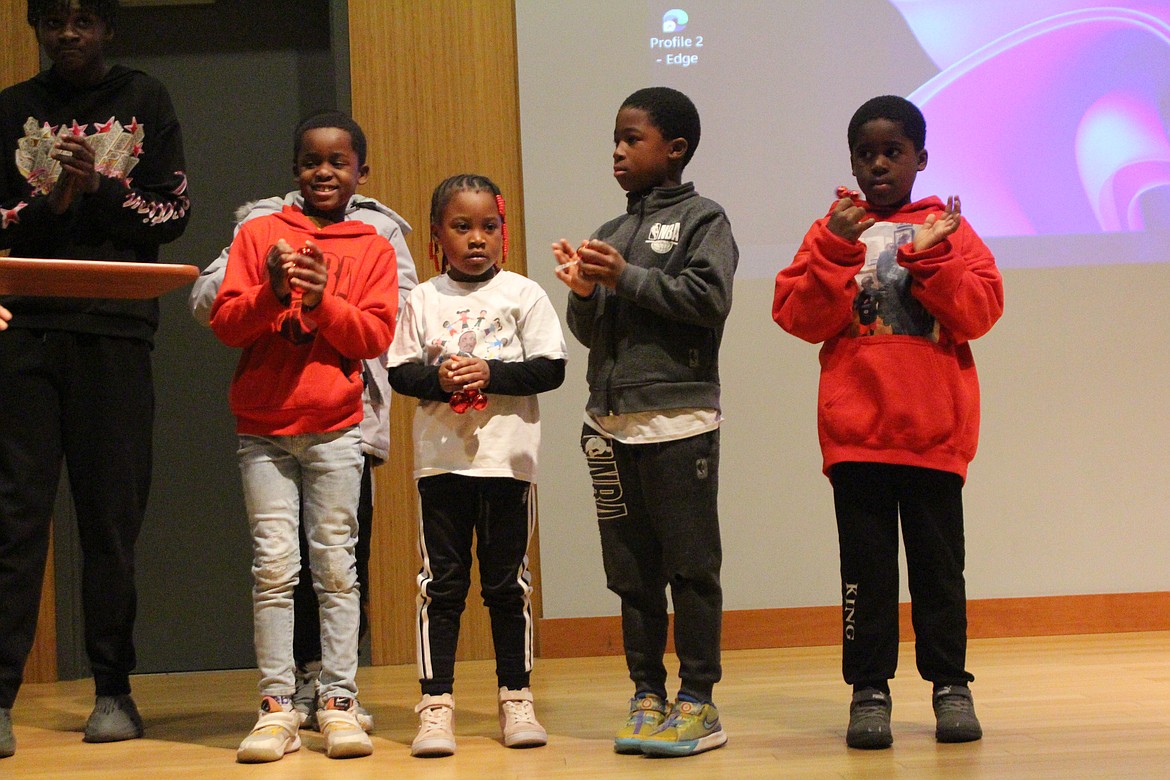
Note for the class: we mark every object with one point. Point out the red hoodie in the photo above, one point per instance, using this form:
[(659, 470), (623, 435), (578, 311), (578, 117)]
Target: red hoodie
[(898, 382), (305, 377)]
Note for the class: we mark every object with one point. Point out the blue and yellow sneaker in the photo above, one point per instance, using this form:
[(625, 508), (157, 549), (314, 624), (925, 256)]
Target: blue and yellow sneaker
[(689, 729), (647, 713)]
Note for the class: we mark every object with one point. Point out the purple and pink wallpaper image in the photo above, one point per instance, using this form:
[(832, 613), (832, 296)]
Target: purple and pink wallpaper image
[(1049, 118), (1054, 114)]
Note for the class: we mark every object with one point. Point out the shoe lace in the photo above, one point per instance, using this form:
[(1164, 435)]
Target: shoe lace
[(873, 705), (643, 717), (435, 719), (952, 704), (106, 706), (677, 717), (519, 711), (342, 725)]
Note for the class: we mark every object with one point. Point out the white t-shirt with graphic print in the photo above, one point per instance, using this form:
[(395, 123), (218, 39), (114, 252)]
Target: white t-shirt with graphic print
[(509, 318)]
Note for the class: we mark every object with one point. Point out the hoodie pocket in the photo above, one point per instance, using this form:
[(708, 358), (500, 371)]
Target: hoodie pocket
[(888, 392)]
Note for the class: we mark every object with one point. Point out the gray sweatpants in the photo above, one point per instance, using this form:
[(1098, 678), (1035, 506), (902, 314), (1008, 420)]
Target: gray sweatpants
[(657, 510)]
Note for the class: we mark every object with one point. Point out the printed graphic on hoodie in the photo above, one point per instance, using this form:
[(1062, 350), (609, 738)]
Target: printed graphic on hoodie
[(884, 305), (479, 334), (116, 150)]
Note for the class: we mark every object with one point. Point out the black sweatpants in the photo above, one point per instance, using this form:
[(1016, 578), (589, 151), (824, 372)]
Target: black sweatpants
[(658, 515), (90, 401), (498, 513), (869, 499)]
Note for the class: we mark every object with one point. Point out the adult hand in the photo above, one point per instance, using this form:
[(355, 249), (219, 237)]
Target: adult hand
[(78, 174)]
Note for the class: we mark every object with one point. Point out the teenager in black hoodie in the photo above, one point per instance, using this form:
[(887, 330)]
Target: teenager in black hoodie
[(91, 167)]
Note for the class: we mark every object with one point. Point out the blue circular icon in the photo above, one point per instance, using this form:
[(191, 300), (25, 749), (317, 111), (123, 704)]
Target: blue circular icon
[(674, 20)]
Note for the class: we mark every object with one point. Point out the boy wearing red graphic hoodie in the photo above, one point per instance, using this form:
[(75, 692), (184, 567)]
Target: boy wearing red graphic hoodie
[(308, 296), (895, 289)]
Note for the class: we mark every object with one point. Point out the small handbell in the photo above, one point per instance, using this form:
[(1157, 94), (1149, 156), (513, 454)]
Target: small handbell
[(462, 400)]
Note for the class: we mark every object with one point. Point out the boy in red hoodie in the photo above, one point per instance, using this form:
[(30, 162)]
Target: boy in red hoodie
[(307, 295), (896, 289)]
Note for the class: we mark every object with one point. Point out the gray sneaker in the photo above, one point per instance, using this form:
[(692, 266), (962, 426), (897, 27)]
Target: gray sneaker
[(869, 720), (954, 713), (114, 718), (7, 740), (364, 718), (304, 698)]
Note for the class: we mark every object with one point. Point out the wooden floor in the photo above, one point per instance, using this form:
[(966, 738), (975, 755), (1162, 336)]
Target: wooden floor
[(1057, 707)]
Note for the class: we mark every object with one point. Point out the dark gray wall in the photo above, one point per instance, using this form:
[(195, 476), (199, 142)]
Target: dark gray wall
[(241, 73)]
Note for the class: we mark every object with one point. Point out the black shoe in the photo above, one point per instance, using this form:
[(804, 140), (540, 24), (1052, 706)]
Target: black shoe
[(954, 713), (869, 720)]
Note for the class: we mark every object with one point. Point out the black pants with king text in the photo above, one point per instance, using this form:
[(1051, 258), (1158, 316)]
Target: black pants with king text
[(869, 499)]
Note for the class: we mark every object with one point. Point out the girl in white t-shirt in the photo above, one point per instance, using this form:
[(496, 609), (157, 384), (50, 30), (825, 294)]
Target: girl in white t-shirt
[(475, 345)]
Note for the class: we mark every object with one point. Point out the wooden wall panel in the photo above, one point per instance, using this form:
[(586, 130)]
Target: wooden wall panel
[(19, 60), (19, 56), (434, 86), (746, 629)]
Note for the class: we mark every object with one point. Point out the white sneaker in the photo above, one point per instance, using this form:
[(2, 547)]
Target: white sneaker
[(436, 726), (518, 720), (344, 736), (275, 733)]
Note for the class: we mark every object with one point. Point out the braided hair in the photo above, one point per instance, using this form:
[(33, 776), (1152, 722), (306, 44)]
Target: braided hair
[(463, 182)]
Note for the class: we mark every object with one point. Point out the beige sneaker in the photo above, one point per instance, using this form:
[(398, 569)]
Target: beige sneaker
[(518, 720), (436, 726), (275, 733), (344, 736)]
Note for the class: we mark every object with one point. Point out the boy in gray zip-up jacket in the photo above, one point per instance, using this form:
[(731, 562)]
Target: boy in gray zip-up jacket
[(650, 293)]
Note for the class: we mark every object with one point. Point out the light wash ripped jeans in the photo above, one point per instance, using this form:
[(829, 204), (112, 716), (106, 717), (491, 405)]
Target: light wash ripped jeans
[(318, 474)]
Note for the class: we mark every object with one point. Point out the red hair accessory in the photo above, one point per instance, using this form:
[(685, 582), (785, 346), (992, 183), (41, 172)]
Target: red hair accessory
[(433, 253), (503, 227)]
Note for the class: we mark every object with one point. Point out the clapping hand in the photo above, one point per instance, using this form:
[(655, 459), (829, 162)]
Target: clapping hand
[(938, 226)]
